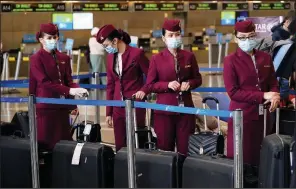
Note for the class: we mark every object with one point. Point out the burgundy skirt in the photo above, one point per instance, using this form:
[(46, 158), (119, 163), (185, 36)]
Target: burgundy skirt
[(52, 126)]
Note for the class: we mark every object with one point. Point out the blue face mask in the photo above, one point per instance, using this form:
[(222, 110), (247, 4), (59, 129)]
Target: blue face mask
[(50, 44), (111, 50), (247, 45), (173, 42)]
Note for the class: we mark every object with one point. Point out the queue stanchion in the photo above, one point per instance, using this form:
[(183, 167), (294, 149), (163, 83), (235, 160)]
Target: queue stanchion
[(33, 142), (131, 162), (70, 54), (220, 47), (238, 148), (78, 61), (18, 65), (226, 48), (97, 97), (210, 56)]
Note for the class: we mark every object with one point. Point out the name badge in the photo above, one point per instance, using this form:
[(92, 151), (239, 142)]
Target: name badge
[(261, 109), (62, 97), (181, 104)]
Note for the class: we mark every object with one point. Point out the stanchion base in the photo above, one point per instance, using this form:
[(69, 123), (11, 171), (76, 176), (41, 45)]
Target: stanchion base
[(214, 73)]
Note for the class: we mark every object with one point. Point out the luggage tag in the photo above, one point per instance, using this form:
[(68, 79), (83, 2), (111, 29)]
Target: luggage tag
[(77, 153), (87, 129), (261, 109)]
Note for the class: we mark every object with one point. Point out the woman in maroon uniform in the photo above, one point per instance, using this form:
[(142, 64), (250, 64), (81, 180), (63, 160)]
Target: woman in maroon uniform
[(50, 77)]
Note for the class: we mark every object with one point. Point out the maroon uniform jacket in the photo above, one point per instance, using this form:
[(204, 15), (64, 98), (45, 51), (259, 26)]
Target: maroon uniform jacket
[(162, 71), (134, 65), (44, 78)]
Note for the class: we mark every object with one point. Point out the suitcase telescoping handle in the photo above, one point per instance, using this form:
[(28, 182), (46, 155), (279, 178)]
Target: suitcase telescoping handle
[(136, 127), (277, 120), (217, 107)]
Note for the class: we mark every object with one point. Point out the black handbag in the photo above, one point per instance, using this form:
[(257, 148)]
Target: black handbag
[(207, 142)]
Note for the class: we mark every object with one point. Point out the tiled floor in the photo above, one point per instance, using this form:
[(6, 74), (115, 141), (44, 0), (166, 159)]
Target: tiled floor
[(8, 110)]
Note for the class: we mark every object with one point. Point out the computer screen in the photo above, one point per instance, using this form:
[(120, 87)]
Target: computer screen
[(228, 18), (83, 21), (64, 21)]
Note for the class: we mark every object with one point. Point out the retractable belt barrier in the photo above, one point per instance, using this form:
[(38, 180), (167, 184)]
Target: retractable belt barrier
[(129, 107), (84, 76), (93, 86)]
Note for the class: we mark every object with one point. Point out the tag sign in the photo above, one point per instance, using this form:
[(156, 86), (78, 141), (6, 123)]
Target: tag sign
[(271, 6), (77, 153), (203, 6), (87, 129), (159, 6), (235, 6), (100, 7), (33, 7)]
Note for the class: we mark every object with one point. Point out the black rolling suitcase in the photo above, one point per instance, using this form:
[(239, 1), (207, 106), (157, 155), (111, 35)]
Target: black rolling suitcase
[(15, 164), (287, 121), (207, 142), (82, 165), (210, 171), (274, 168), (154, 169), (21, 119)]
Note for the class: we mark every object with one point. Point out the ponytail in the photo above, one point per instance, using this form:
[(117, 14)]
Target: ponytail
[(125, 37)]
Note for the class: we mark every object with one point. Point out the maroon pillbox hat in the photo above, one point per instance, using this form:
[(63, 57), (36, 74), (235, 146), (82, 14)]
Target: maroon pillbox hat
[(172, 25), (246, 26), (50, 29), (104, 32)]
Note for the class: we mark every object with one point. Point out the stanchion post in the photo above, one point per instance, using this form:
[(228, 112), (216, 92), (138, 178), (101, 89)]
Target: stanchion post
[(7, 74), (226, 48), (130, 132), (97, 97), (219, 54), (210, 54), (18, 65), (78, 62), (33, 142), (238, 148)]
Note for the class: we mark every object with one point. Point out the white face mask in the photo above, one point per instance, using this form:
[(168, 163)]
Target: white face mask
[(247, 45), (173, 42)]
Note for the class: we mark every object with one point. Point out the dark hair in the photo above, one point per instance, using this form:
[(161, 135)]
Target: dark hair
[(120, 34)]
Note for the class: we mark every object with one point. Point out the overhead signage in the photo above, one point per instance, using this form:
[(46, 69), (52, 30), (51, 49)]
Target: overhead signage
[(159, 6), (203, 6), (271, 6), (100, 7), (33, 7), (235, 6)]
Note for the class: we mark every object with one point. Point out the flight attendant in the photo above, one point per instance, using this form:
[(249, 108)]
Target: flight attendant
[(172, 74), (250, 82), (126, 67), (50, 77)]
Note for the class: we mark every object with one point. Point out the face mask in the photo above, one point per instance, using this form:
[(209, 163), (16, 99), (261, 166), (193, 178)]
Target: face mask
[(173, 43), (50, 44), (111, 50), (247, 45)]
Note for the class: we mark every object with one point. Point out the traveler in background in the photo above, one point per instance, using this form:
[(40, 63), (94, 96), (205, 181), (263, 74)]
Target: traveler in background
[(126, 67), (280, 32), (50, 77), (97, 55), (284, 60), (250, 82), (172, 74)]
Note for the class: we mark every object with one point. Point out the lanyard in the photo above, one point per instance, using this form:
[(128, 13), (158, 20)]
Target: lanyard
[(177, 69), (257, 71)]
